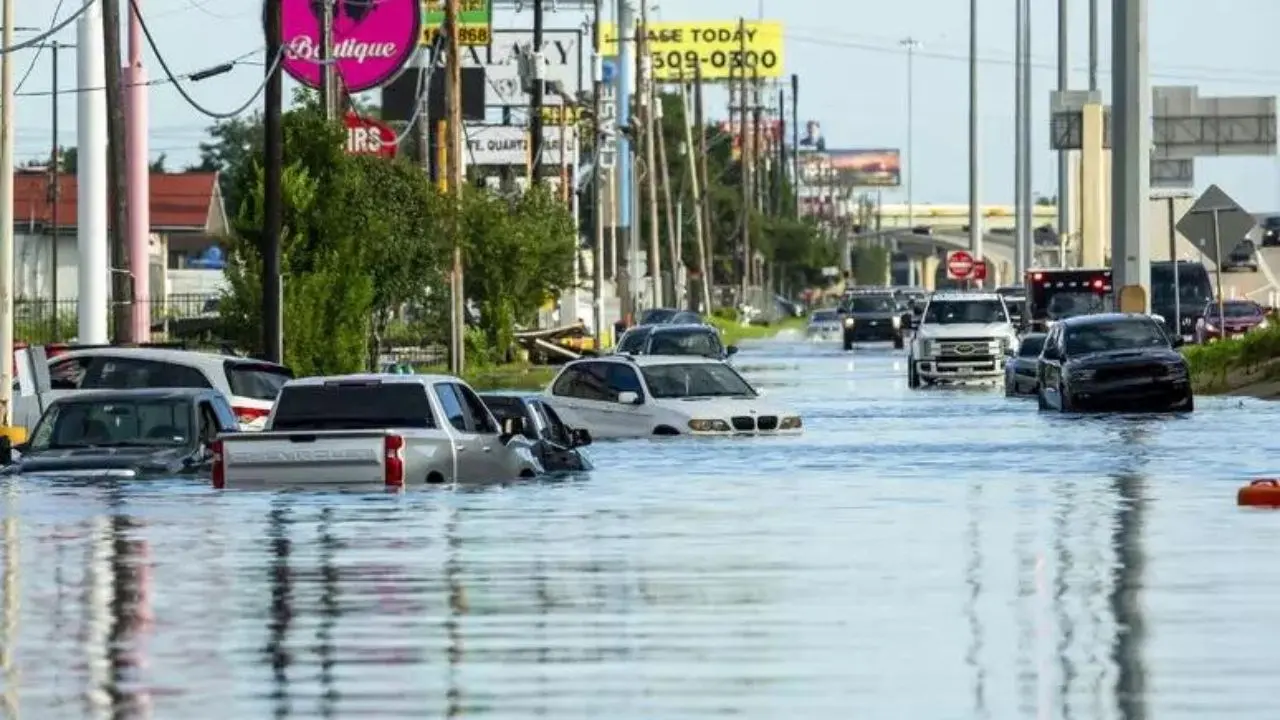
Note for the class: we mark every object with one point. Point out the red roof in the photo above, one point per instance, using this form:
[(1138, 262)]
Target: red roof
[(178, 200)]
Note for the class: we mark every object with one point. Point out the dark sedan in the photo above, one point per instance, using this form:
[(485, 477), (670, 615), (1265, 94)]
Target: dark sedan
[(1112, 361), (124, 433), (557, 445), (1020, 371), (1236, 317)]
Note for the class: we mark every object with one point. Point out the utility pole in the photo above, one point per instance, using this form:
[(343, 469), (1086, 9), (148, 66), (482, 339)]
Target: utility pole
[(975, 212), (624, 177), (1064, 158), (138, 177), (55, 184), (597, 178), (1093, 44), (692, 155), (453, 92), (910, 44), (272, 203), (708, 235), (673, 246), (93, 301), (744, 156), (121, 272), (1019, 40), (645, 105), (795, 142), (328, 89), (757, 141), (536, 99), (1027, 220), (6, 229)]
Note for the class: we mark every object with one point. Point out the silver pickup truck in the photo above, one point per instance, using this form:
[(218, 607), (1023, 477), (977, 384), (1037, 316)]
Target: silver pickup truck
[(375, 431)]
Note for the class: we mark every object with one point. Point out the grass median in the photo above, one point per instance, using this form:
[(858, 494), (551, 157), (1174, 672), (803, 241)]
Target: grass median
[(733, 332), (1247, 365)]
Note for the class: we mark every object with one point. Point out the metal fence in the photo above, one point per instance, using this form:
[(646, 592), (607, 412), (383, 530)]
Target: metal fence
[(44, 321)]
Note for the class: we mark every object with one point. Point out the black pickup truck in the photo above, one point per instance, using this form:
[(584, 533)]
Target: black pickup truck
[(123, 433)]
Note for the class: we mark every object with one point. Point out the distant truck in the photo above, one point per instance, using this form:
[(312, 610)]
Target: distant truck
[(375, 431)]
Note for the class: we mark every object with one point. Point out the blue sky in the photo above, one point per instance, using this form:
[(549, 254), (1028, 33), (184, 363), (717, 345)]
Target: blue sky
[(852, 74)]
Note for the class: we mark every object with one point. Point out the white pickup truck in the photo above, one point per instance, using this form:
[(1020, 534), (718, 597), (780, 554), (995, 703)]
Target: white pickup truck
[(375, 431)]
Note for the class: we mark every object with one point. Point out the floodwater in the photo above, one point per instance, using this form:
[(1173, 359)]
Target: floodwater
[(930, 554)]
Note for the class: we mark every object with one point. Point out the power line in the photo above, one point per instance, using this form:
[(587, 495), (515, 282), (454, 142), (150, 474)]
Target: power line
[(39, 51), (1207, 74), (169, 80), (174, 79), (48, 33)]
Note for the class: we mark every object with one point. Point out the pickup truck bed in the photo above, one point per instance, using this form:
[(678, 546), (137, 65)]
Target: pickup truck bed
[(334, 459)]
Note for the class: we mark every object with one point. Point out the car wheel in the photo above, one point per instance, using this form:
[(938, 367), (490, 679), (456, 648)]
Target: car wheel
[(848, 344), (1064, 400), (1187, 404), (913, 376), (898, 342), (1009, 390), (1041, 403)]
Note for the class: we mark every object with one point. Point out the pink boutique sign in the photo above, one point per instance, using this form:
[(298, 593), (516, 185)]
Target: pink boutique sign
[(373, 40)]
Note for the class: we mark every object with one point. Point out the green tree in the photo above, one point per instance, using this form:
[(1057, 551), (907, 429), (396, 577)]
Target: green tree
[(231, 150)]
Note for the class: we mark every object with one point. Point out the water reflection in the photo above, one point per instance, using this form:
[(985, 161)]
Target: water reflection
[(453, 617), (280, 580), (1125, 600), (973, 580), (11, 599)]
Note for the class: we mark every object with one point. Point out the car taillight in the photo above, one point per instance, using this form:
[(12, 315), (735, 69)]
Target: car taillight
[(1037, 277), (1097, 284), (219, 467), (246, 415), (393, 466)]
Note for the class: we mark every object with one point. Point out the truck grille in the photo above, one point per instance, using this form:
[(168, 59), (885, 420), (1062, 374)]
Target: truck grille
[(743, 423), (768, 422), (1130, 372), (968, 348)]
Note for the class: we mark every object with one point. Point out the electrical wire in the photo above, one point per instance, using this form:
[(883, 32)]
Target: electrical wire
[(156, 82), (50, 32), (424, 87), (39, 50), (146, 31)]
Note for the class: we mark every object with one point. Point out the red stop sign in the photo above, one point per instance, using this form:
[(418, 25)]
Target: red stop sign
[(367, 136), (980, 271), (959, 264)]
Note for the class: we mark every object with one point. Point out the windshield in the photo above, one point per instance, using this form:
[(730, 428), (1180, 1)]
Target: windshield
[(116, 424), (1194, 288), (824, 316), (1031, 346), (959, 312), (1118, 335), (871, 304), (686, 342), (701, 380), (353, 405), (1065, 304), (260, 382), (1235, 310), (657, 315)]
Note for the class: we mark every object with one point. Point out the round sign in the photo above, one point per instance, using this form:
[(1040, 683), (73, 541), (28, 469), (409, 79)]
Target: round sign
[(367, 136), (959, 264), (372, 41), (608, 70)]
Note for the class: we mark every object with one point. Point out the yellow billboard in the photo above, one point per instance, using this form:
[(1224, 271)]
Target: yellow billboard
[(720, 49)]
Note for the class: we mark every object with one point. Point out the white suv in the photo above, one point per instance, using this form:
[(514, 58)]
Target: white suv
[(962, 336)]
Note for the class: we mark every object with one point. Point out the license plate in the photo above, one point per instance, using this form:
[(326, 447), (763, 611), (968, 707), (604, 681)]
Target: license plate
[(964, 371)]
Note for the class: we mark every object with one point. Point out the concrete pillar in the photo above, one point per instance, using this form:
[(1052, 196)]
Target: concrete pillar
[(1006, 275), (930, 276), (1094, 245)]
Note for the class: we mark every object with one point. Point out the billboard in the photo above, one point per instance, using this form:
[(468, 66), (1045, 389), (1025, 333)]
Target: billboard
[(475, 21), (770, 133), (508, 145), (718, 49), (875, 168), (562, 50), (372, 43)]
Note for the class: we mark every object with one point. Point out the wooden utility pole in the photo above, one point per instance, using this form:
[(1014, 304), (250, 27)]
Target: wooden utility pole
[(272, 177), (664, 180), (121, 273), (597, 179), (744, 157), (453, 96), (537, 100), (708, 232), (644, 102), (328, 89), (692, 159)]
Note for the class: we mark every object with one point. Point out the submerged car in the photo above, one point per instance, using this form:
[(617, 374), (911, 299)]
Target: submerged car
[(622, 396), (823, 325), (556, 445), (1113, 361), (1234, 318), (1242, 258), (1020, 370), (125, 433), (684, 339), (874, 316)]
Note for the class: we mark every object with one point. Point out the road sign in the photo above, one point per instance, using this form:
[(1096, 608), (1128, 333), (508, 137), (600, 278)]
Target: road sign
[(980, 271), (959, 264), (367, 136), (608, 69), (1215, 219)]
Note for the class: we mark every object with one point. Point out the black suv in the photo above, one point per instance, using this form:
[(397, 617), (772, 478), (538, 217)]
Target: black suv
[(1244, 256), (687, 339), (877, 316), (1271, 231)]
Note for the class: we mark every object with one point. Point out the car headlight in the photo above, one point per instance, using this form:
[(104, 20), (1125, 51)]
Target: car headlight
[(708, 426), (791, 422), (897, 321), (848, 322)]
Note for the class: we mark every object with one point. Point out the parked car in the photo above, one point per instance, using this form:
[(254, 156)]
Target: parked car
[(124, 433), (669, 316), (375, 431), (824, 325), (1271, 231), (556, 445), (1022, 367), (1112, 361), (1235, 318), (250, 386), (687, 340), (1243, 257), (623, 396)]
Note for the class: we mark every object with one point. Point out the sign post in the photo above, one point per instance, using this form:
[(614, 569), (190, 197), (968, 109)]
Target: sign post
[(1213, 215)]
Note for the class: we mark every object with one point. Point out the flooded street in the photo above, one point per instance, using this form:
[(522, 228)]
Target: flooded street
[(944, 553)]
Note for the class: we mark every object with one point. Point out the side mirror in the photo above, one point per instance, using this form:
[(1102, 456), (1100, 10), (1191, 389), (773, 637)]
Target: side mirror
[(628, 398), (731, 350), (580, 437), (512, 426)]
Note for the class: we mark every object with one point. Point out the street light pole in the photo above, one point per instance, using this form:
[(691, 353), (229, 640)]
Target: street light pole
[(910, 44), (975, 214)]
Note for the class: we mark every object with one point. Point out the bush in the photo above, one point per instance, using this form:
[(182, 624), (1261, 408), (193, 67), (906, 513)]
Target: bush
[(1212, 364)]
